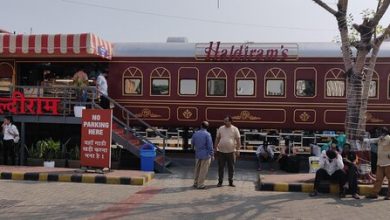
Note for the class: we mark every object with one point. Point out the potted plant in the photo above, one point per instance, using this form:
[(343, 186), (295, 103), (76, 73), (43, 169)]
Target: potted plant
[(48, 148), (74, 160), (33, 158)]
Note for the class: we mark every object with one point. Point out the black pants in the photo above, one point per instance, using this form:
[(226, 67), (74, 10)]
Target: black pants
[(9, 150), (374, 159), (104, 102), (224, 158), (338, 176), (352, 175)]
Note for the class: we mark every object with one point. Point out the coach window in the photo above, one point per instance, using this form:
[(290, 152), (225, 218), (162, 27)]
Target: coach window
[(245, 82), (305, 88), (335, 83), (160, 82), (373, 90), (132, 81), (216, 82), (275, 79), (188, 81), (187, 86), (305, 82)]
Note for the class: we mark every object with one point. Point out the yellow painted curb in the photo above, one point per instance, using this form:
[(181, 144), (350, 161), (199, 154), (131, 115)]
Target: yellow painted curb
[(87, 179), (307, 187), (113, 180), (17, 176), (64, 178), (365, 190), (43, 176), (281, 187), (333, 188), (137, 181)]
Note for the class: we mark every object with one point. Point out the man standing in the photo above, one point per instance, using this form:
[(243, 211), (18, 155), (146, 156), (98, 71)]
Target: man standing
[(227, 144), (204, 153), (10, 138), (102, 88), (383, 163)]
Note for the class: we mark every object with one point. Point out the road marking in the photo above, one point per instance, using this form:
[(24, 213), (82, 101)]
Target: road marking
[(125, 206)]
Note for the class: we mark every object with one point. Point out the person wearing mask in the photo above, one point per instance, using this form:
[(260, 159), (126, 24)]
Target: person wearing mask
[(227, 144), (102, 89), (383, 163), (10, 138), (204, 154), (331, 168), (351, 170)]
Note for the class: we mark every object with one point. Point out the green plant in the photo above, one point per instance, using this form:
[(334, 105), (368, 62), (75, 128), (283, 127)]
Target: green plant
[(48, 148), (32, 152)]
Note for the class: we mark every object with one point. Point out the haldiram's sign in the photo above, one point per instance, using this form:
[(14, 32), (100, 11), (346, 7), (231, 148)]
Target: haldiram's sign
[(246, 52)]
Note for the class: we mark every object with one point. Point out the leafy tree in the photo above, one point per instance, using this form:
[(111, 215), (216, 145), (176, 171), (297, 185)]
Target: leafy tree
[(359, 66)]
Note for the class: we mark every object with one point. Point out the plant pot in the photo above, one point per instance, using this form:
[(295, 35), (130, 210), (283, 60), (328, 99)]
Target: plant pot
[(48, 164), (34, 162), (74, 163), (78, 111), (59, 162)]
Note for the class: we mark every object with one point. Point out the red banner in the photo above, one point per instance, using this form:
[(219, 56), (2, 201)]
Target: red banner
[(96, 138)]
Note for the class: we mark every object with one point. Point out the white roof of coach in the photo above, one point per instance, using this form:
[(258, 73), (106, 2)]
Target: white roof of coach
[(188, 50)]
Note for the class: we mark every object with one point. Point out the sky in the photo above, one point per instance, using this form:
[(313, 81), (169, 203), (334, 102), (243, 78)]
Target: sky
[(197, 20)]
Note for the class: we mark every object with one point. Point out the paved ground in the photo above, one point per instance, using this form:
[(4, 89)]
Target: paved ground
[(170, 196)]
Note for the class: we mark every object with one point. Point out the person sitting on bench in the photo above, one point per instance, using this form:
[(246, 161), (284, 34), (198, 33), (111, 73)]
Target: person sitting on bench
[(331, 168), (349, 160), (265, 153)]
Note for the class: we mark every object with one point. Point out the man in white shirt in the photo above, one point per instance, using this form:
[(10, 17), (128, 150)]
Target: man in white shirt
[(332, 165), (10, 138), (265, 153), (227, 144), (102, 88)]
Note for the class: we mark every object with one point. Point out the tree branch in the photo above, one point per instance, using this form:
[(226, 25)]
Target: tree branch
[(326, 7), (382, 37), (379, 13)]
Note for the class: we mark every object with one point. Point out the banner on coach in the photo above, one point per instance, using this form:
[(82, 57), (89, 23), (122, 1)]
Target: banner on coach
[(96, 138)]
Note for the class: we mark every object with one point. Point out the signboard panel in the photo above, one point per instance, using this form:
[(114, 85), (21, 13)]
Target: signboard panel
[(96, 138), (246, 52)]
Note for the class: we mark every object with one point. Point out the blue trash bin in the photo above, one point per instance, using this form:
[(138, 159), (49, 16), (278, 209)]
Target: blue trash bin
[(147, 154)]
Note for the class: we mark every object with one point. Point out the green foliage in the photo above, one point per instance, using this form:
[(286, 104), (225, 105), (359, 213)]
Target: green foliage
[(48, 148), (353, 34), (33, 152)]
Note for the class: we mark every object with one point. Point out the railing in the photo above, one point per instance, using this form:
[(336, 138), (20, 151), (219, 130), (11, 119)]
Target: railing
[(129, 115), (71, 96)]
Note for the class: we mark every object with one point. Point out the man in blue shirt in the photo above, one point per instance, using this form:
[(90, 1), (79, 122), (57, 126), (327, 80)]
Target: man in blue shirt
[(204, 153)]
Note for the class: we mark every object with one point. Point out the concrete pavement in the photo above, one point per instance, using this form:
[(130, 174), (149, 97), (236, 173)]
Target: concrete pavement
[(171, 196)]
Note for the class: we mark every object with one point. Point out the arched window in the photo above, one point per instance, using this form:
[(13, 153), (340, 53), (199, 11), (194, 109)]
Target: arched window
[(374, 86), (275, 83), (216, 82), (6, 75), (160, 81), (132, 79), (245, 82), (335, 84)]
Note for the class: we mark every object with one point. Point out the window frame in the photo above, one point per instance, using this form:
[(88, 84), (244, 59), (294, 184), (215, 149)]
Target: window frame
[(216, 73), (160, 73), (245, 74), (132, 73), (275, 74)]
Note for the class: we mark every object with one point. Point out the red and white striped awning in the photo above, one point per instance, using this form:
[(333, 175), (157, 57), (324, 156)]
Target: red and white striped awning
[(58, 45)]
